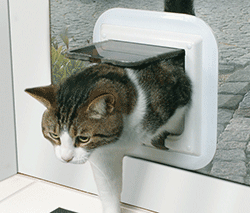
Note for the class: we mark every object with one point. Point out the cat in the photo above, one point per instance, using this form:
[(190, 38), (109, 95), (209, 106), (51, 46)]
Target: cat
[(105, 111)]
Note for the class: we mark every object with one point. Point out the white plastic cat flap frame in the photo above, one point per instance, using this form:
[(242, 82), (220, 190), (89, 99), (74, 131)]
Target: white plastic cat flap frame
[(196, 146)]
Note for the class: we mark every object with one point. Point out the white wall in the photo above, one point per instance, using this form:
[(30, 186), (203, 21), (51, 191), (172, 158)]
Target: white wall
[(8, 165)]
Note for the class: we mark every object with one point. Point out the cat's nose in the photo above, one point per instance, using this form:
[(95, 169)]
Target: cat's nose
[(67, 159), (66, 155)]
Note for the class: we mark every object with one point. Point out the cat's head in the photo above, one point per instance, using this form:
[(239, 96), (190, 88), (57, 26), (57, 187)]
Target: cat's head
[(75, 128)]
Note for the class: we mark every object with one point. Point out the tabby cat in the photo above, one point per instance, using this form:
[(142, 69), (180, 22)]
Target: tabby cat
[(103, 112)]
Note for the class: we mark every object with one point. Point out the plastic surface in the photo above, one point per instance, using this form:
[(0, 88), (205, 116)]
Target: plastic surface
[(196, 146), (120, 53)]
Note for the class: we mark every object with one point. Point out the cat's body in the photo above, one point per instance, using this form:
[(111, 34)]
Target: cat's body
[(105, 111), (104, 104)]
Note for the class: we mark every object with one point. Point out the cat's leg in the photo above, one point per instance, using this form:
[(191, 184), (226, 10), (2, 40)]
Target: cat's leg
[(159, 140), (107, 171)]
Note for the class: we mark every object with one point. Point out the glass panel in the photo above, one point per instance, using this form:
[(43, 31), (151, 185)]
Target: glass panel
[(72, 23)]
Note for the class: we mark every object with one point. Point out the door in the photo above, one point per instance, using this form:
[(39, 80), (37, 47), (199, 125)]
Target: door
[(146, 184)]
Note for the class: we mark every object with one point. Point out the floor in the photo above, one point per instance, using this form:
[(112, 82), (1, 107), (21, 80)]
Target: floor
[(25, 194)]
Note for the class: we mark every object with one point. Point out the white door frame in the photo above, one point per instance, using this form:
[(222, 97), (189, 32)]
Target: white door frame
[(8, 164)]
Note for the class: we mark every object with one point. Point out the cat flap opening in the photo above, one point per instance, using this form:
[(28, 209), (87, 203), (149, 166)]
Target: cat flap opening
[(125, 54)]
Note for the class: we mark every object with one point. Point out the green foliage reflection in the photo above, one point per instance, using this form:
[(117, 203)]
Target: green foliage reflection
[(61, 66)]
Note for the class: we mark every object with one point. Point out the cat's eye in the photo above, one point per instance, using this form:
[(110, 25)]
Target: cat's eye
[(83, 139), (54, 136)]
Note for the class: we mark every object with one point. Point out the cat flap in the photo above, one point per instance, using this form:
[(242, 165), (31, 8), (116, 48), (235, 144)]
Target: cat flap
[(121, 53)]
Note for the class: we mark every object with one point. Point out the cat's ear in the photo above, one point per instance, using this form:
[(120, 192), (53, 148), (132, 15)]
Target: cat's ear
[(101, 106), (45, 95)]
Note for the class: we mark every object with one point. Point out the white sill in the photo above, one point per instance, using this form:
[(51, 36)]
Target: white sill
[(25, 194)]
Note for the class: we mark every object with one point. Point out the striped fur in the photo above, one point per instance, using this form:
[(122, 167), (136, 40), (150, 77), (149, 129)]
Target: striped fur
[(97, 104)]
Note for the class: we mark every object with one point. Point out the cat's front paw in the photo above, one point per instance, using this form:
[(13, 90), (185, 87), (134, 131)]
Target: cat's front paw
[(159, 141)]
